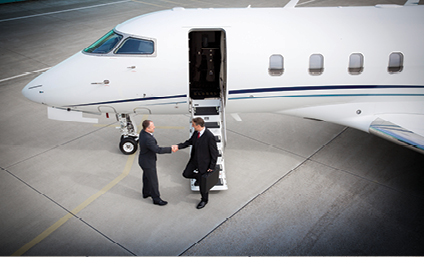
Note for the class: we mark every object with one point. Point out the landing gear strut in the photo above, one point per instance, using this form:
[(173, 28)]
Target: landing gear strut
[(129, 137)]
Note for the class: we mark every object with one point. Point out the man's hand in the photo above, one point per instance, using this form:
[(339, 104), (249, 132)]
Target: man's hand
[(174, 148)]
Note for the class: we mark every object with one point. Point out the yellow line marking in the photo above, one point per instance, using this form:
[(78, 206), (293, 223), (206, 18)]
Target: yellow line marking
[(106, 125), (170, 127), (80, 207)]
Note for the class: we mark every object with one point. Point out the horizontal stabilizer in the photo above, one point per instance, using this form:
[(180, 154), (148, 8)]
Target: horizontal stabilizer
[(397, 134), (69, 116)]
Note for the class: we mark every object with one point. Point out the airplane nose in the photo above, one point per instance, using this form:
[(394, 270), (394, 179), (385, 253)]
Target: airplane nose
[(34, 93)]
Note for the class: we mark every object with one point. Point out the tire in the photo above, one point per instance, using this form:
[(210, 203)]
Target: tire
[(128, 145)]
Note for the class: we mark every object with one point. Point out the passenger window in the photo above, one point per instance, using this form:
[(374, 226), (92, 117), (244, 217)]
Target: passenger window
[(136, 46), (395, 62), (356, 64), (104, 44), (276, 65), (316, 64)]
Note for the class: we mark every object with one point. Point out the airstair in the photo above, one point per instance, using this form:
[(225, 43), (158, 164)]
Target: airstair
[(212, 112)]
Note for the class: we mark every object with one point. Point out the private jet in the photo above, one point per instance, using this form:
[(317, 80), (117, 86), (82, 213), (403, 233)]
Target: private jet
[(360, 67)]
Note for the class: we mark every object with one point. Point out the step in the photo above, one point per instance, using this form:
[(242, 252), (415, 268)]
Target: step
[(206, 103), (210, 118), (212, 125), (206, 111), (220, 186)]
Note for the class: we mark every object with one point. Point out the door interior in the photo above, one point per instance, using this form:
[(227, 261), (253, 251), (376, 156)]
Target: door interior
[(207, 64)]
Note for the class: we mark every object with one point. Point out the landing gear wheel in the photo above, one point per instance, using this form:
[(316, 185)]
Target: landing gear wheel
[(128, 145)]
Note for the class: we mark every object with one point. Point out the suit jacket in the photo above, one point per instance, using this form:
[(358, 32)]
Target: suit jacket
[(204, 152), (148, 150)]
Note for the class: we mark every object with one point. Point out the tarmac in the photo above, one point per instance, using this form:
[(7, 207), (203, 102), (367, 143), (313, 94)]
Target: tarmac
[(296, 187)]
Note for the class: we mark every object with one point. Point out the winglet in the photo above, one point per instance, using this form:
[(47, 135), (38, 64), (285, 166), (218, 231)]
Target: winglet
[(412, 2), (397, 134), (291, 4)]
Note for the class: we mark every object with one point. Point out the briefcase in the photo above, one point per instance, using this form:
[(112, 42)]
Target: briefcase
[(210, 179)]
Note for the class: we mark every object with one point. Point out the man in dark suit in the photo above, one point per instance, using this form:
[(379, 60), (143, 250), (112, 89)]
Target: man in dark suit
[(204, 154), (147, 161)]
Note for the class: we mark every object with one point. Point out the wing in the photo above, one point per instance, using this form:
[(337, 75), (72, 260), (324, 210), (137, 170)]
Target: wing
[(405, 130)]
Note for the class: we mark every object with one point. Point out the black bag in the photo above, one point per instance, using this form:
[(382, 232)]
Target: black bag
[(210, 179)]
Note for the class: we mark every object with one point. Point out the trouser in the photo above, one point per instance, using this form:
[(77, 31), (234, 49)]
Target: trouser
[(190, 174), (151, 183)]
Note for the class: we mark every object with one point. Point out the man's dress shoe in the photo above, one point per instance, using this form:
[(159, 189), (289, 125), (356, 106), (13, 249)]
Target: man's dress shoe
[(160, 202), (201, 204), (146, 196)]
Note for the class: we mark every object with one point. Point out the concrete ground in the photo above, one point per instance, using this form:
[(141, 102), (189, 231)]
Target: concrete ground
[(296, 187)]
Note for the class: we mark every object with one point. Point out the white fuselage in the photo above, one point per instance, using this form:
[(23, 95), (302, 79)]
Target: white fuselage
[(159, 83)]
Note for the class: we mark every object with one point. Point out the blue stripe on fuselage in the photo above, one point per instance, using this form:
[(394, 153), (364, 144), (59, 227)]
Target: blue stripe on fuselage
[(233, 93), (130, 100), (314, 88)]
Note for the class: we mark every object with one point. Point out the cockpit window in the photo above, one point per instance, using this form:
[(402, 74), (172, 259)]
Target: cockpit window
[(136, 46), (105, 44)]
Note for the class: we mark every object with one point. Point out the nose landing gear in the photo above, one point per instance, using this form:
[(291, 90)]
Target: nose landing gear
[(128, 145), (129, 137)]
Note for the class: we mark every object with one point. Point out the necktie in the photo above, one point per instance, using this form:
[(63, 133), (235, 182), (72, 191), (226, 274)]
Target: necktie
[(198, 135)]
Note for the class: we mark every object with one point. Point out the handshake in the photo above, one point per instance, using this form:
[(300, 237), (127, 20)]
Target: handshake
[(174, 148)]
